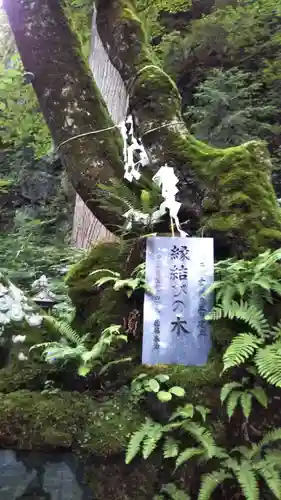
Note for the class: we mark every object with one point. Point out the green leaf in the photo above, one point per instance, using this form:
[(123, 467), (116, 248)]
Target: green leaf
[(227, 388), (164, 396), (260, 396), (162, 377), (151, 439), (247, 479), (242, 347), (271, 476), (232, 403), (186, 411), (83, 370), (174, 493), (136, 440), (113, 363), (187, 454), (210, 482), (177, 391), (203, 411), (152, 385), (246, 403), (170, 447)]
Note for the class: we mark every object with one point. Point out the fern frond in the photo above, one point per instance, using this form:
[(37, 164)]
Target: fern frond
[(268, 362), (61, 353), (247, 480), (270, 438), (170, 447), (242, 347), (210, 482), (174, 493), (260, 395), (151, 439), (273, 457), (136, 440), (227, 389), (64, 329), (246, 403), (271, 476), (250, 314), (187, 454), (232, 402), (186, 411), (203, 437)]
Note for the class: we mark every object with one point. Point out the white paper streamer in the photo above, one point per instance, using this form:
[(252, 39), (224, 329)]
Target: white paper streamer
[(165, 178), (130, 151)]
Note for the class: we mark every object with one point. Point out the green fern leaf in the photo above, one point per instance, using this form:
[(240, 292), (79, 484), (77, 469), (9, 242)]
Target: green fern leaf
[(210, 482), (136, 439), (203, 411), (273, 457), (187, 454), (174, 493), (270, 438), (241, 348), (246, 404), (271, 476), (64, 329), (260, 395), (170, 447), (151, 439), (186, 411), (268, 362), (246, 477), (227, 388), (203, 436), (232, 402), (250, 314)]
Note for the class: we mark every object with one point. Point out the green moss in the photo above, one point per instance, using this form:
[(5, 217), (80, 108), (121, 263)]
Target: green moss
[(39, 421), (238, 181), (24, 375), (107, 255), (186, 376)]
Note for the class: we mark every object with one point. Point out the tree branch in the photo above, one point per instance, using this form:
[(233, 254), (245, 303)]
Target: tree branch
[(222, 190), (154, 100), (68, 97)]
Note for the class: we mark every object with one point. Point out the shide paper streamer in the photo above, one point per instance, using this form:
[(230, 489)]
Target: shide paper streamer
[(135, 157)]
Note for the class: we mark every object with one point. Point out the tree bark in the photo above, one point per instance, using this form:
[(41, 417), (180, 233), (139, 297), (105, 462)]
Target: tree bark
[(87, 229), (68, 97)]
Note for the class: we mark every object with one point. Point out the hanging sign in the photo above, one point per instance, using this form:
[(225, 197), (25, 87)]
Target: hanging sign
[(178, 271)]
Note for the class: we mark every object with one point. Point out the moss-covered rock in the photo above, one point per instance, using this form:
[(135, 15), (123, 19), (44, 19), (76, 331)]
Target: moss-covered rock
[(31, 420)]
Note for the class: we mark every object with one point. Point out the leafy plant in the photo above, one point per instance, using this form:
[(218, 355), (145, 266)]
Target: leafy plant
[(171, 491), (147, 437), (135, 206), (228, 109), (74, 347), (234, 393), (143, 384), (254, 281), (246, 465), (135, 282)]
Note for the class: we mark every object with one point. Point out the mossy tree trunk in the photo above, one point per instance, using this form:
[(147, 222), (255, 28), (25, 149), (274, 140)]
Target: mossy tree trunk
[(226, 192), (87, 229)]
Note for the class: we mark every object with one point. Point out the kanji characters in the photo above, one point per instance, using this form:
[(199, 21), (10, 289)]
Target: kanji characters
[(179, 253)]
